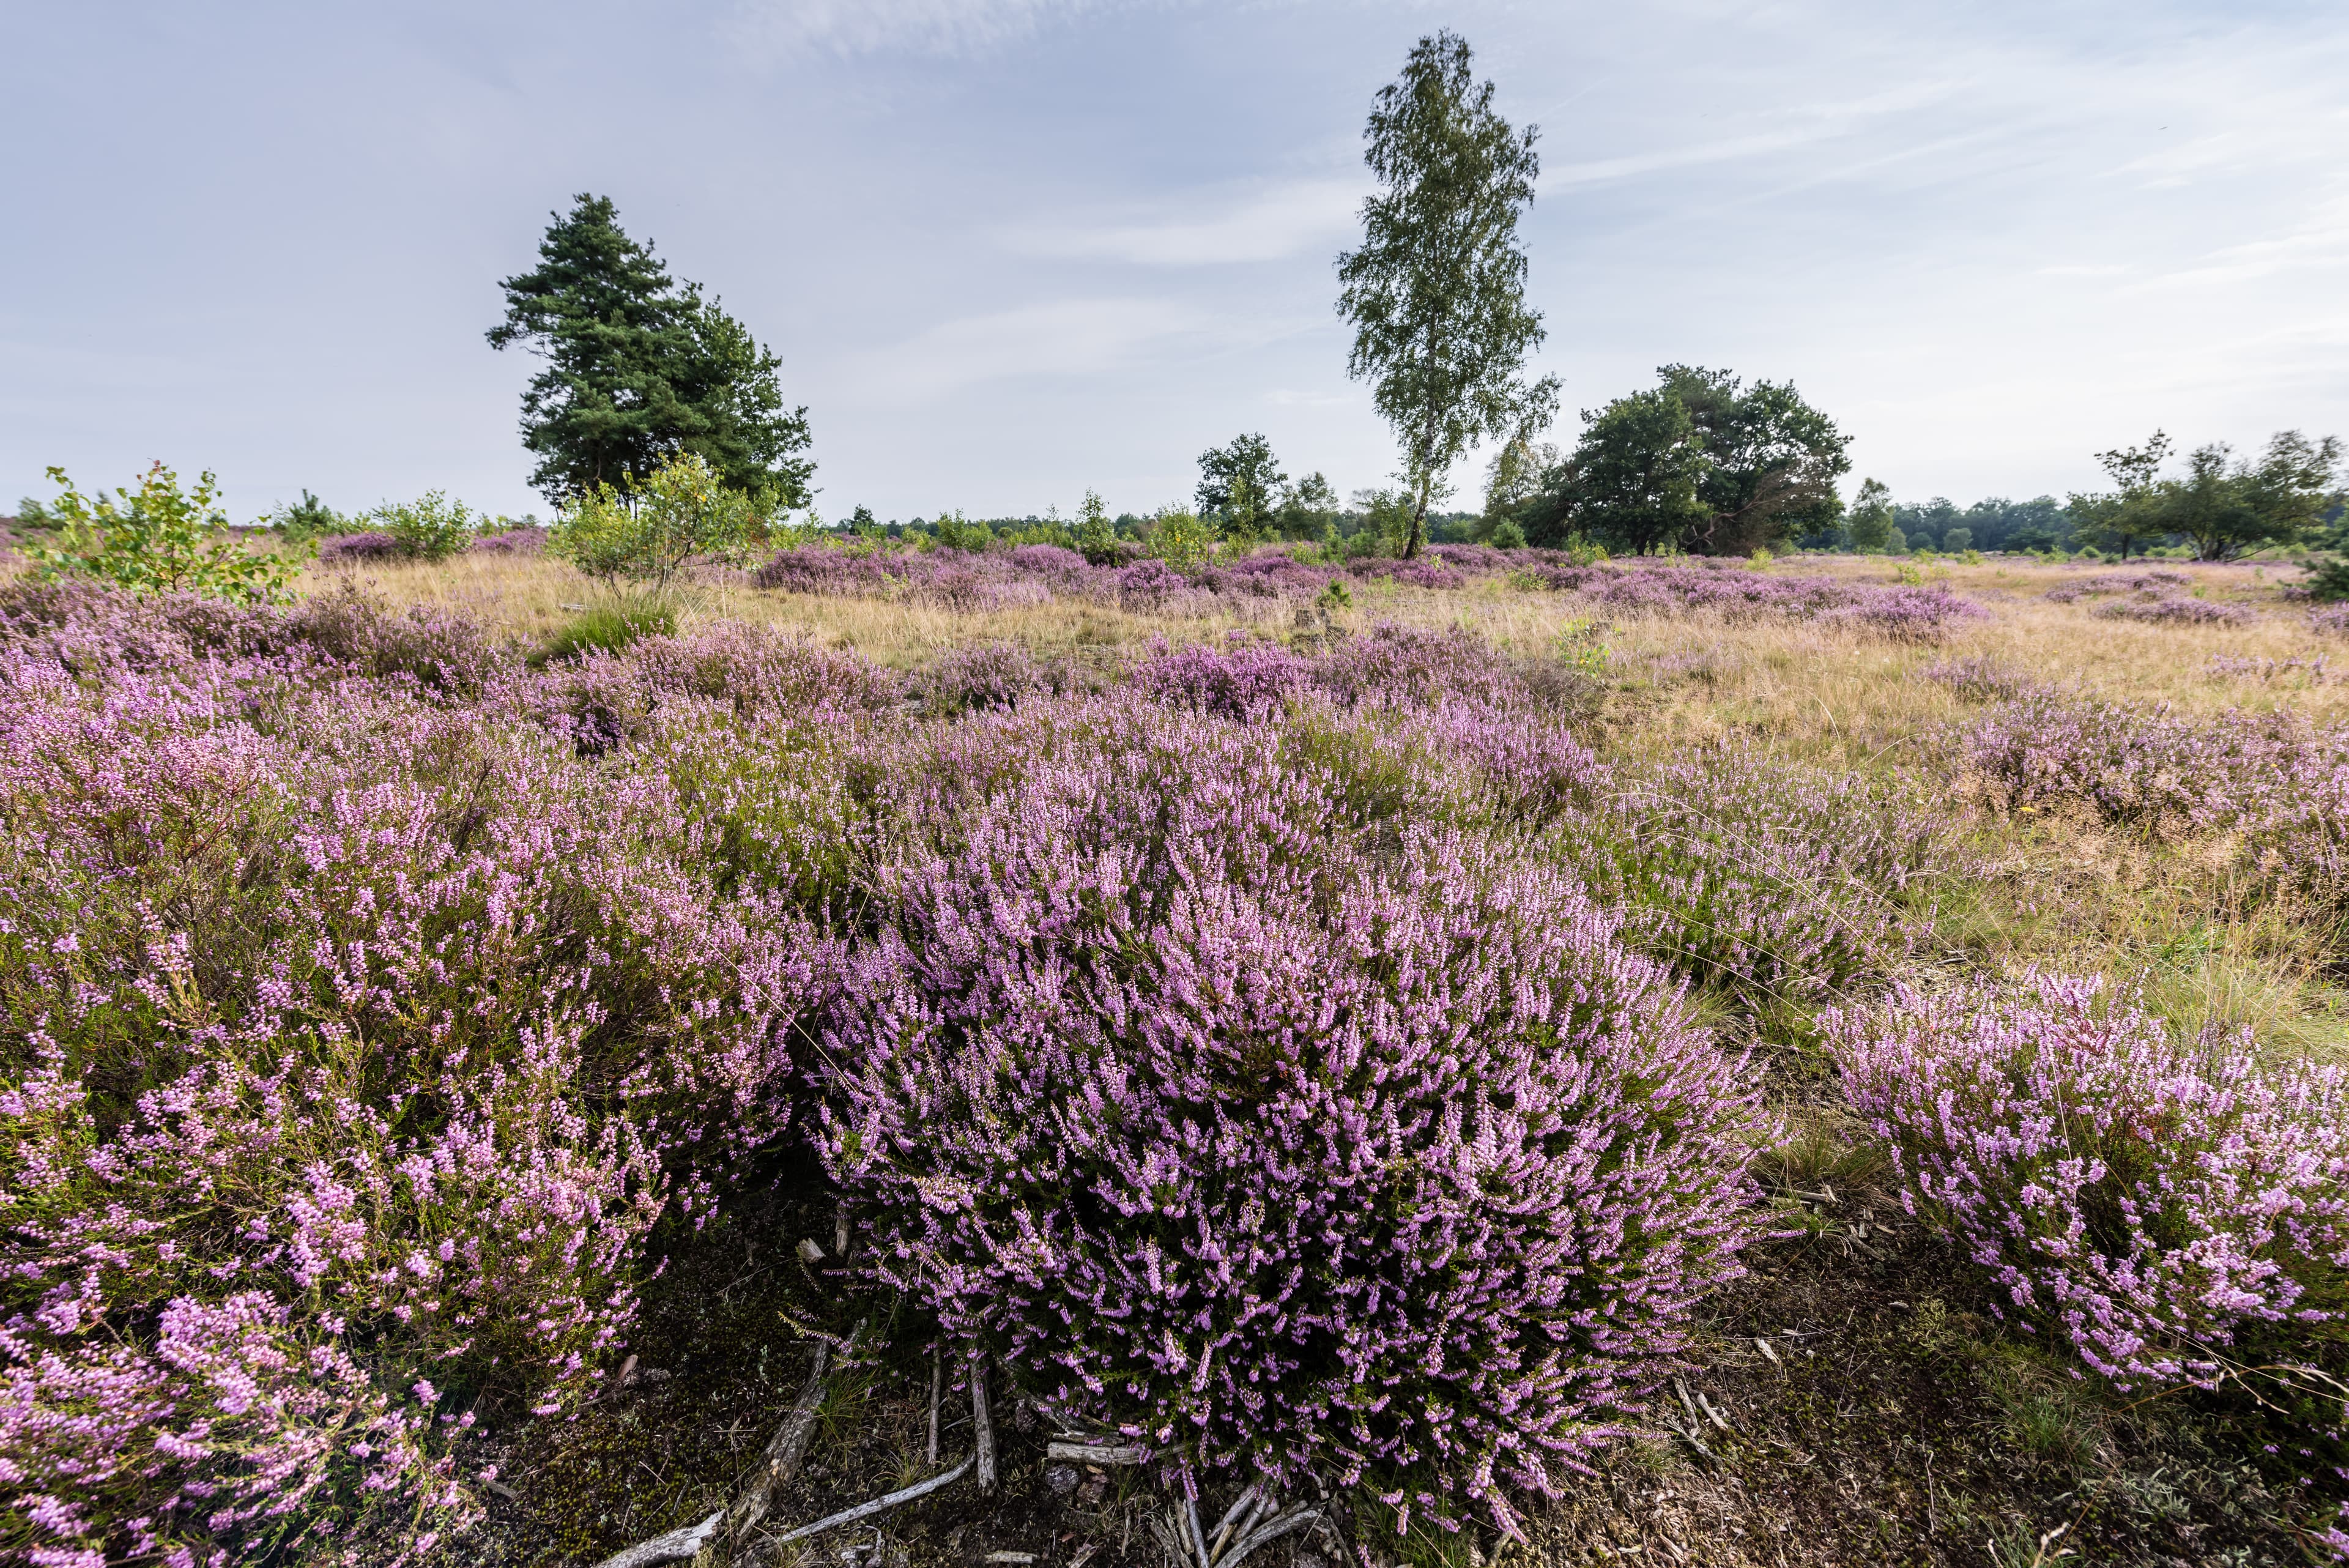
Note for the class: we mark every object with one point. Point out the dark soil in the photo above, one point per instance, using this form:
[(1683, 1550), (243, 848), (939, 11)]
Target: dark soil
[(1891, 1420)]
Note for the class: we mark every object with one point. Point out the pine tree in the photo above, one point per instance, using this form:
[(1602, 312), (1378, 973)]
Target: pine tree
[(640, 369)]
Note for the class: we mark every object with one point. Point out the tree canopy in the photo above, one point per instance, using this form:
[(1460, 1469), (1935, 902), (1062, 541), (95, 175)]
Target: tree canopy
[(2223, 505), (1700, 462), (1771, 461), (1436, 290), (640, 369), (1240, 487)]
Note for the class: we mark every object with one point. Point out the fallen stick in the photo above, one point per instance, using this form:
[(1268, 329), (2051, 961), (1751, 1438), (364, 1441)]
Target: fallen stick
[(1097, 1453), (878, 1505), (677, 1546), (1296, 1519), (1198, 1536), (1239, 1516), (982, 1423), (937, 1364), (784, 1451)]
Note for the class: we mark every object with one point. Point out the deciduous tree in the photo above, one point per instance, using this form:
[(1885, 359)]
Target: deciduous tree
[(1771, 461), (1240, 487), (1436, 290)]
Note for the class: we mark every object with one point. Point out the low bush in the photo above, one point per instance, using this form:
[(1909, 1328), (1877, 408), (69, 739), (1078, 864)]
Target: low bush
[(2174, 610), (429, 528), (158, 539), (2170, 1213), (608, 628), (345, 549), (2145, 1199), (985, 675), (355, 1046), (1782, 883), (647, 533), (1282, 1146)]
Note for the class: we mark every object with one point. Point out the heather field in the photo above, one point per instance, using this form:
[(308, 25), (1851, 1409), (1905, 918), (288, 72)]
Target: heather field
[(1500, 1056)]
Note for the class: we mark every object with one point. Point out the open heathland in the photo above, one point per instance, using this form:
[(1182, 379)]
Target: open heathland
[(1822, 1061)]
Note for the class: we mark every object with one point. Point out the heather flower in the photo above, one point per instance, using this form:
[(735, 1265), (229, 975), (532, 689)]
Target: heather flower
[(360, 1041), (1779, 881), (1276, 1148), (2154, 1205), (345, 549), (1978, 678), (1723, 588), (2174, 610)]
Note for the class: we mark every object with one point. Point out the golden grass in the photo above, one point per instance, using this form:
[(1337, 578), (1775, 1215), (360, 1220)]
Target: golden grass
[(2054, 891)]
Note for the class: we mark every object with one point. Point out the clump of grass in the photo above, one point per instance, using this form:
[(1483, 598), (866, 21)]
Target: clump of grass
[(606, 627)]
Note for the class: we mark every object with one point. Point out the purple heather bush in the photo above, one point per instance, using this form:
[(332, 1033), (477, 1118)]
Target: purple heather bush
[(1728, 589), (2169, 1211), (1280, 1140), (987, 674), (349, 549), (360, 1043), (525, 540), (2171, 609), (2157, 580), (1389, 666), (1245, 677), (1776, 880), (1978, 678), (2237, 769)]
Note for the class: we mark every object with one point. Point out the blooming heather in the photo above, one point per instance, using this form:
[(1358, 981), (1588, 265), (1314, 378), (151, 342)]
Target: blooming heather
[(357, 1043), (2173, 609), (2151, 1203), (1906, 614), (1778, 881), (1280, 1143)]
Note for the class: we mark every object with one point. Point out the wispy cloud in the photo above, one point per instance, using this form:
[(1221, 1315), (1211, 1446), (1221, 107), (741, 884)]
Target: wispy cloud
[(1263, 220), (1804, 127), (1064, 337), (924, 27)]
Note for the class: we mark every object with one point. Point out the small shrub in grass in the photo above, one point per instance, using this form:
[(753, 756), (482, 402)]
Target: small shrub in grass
[(158, 539), (1281, 1148), (1245, 677), (429, 528), (1779, 881), (2333, 620), (1978, 678), (2175, 610), (350, 1063), (349, 549), (2160, 1207), (608, 628), (647, 533), (985, 675)]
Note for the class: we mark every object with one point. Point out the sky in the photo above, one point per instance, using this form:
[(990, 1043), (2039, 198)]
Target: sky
[(1009, 250)]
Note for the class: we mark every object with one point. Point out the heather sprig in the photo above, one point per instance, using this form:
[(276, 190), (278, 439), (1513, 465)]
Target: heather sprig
[(1280, 1145), (2171, 1211), (355, 1044)]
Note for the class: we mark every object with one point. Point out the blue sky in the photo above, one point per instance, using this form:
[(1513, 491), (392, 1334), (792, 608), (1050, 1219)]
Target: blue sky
[(1011, 249)]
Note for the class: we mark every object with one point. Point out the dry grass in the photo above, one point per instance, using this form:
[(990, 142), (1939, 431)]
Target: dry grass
[(1890, 1420)]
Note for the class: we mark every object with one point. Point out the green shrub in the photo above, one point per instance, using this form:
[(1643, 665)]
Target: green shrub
[(2329, 579), (429, 528), (608, 628), (308, 518), (647, 533), (1180, 537), (955, 533), (161, 540), (1507, 536)]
